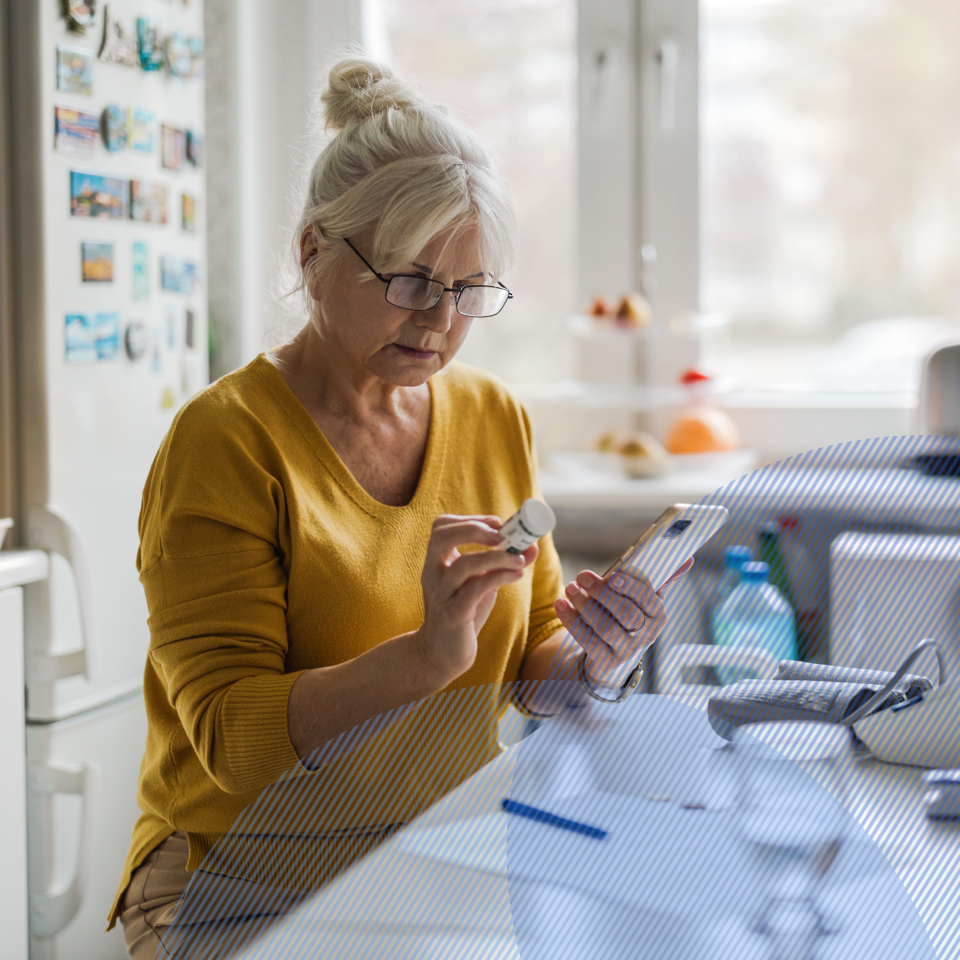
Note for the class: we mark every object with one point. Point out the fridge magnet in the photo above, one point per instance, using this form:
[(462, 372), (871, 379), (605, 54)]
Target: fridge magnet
[(156, 349), (178, 55), (189, 213), (140, 129), (136, 339), (92, 336), (94, 196), (195, 45), (172, 147), (113, 127), (119, 44), (75, 132), (189, 328), (149, 45), (171, 273), (171, 327), (189, 278), (141, 270), (167, 399), (148, 201), (79, 14), (74, 70), (194, 149), (97, 262)]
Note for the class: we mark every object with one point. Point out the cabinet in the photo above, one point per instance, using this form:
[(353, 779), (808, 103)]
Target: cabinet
[(13, 863)]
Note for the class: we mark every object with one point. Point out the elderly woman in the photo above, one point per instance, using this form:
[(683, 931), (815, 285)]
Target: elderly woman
[(319, 529)]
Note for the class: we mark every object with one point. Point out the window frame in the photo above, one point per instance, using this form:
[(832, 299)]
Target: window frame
[(639, 162)]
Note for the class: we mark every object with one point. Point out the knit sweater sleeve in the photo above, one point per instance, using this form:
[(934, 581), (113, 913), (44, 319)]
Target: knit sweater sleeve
[(547, 572), (211, 567)]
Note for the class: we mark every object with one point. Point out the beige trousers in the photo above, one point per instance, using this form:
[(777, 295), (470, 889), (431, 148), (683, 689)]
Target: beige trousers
[(149, 904), (152, 901)]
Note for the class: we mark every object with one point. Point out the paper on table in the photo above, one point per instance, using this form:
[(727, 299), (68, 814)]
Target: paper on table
[(477, 843)]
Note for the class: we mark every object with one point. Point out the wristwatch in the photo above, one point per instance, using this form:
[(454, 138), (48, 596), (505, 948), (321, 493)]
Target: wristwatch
[(630, 684)]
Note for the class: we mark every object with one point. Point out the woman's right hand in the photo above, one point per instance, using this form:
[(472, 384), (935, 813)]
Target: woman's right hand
[(459, 590)]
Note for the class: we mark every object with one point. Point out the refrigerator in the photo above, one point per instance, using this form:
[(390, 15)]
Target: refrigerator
[(109, 317)]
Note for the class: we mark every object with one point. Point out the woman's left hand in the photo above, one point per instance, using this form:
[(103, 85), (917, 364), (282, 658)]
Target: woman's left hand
[(614, 622)]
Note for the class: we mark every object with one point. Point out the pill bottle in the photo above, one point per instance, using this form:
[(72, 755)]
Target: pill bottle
[(531, 522)]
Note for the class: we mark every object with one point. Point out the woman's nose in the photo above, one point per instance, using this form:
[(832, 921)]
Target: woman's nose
[(440, 316)]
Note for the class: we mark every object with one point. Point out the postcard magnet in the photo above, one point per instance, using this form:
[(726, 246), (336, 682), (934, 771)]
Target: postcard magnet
[(195, 45), (172, 313), (119, 44), (140, 129), (141, 270), (113, 127), (79, 14), (156, 350), (171, 273), (178, 55), (74, 70), (92, 336), (148, 201), (190, 280), (96, 262), (172, 147), (194, 148), (75, 132), (149, 45), (94, 196), (136, 339), (188, 212)]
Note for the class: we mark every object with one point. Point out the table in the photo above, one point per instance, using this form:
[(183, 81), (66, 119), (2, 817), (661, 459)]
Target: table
[(440, 887)]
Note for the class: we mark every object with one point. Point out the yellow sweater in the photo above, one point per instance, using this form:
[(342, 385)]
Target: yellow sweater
[(261, 556)]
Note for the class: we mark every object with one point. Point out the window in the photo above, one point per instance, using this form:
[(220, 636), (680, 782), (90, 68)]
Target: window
[(795, 164), (509, 68), (830, 191)]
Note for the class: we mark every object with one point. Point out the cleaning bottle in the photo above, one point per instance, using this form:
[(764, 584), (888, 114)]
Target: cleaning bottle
[(755, 615), (770, 552), (809, 588)]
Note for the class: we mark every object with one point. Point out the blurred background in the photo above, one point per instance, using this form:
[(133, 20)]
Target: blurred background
[(827, 146), (740, 238), (790, 169)]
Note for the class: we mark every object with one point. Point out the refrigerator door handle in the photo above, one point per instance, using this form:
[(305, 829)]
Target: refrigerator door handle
[(51, 910), (47, 530)]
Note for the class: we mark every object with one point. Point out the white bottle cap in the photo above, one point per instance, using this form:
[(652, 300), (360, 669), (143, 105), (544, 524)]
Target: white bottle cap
[(537, 518)]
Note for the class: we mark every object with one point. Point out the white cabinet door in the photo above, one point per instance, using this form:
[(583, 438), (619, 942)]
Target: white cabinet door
[(13, 863), (81, 808)]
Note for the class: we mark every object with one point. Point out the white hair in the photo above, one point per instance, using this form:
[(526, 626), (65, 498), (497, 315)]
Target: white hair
[(403, 166)]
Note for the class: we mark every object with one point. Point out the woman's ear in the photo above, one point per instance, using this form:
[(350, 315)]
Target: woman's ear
[(308, 246)]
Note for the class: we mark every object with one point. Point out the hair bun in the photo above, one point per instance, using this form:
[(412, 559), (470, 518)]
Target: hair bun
[(360, 89)]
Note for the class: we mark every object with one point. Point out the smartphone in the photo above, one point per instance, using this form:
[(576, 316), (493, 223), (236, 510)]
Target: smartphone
[(670, 540)]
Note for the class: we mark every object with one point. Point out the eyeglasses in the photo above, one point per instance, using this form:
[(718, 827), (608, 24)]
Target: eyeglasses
[(419, 293)]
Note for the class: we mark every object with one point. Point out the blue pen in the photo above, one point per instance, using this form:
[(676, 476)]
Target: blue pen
[(551, 819)]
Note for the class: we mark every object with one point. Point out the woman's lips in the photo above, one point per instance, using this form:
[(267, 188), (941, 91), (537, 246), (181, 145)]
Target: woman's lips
[(415, 354)]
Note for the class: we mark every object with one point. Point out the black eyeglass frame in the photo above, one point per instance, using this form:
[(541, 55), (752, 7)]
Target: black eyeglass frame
[(457, 291)]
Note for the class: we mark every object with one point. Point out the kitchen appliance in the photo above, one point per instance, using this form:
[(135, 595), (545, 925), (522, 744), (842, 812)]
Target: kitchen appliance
[(939, 411), (889, 591), (110, 316)]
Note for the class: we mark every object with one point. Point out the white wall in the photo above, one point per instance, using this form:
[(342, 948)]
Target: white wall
[(265, 67)]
